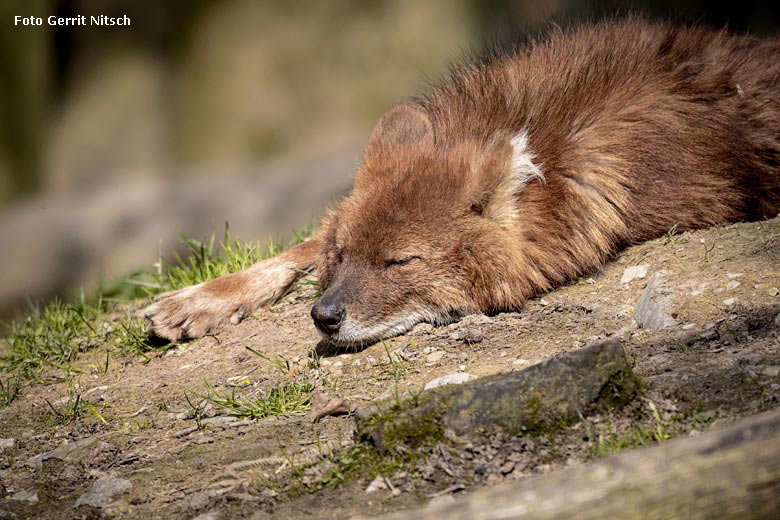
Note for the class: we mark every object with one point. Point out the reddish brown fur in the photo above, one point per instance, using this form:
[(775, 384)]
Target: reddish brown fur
[(636, 127)]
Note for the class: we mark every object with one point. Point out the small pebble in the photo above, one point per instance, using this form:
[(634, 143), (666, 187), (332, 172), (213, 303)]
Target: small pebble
[(470, 335), (433, 357), (636, 272), (457, 378), (26, 495), (103, 491), (376, 484), (440, 501)]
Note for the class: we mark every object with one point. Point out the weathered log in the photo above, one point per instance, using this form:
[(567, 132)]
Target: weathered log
[(548, 395), (729, 473)]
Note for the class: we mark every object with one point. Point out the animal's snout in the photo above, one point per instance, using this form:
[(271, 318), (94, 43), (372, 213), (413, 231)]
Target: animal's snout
[(329, 312)]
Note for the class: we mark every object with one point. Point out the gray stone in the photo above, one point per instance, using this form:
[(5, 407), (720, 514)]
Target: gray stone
[(211, 515), (545, 396), (78, 451), (753, 358), (203, 499), (652, 309), (7, 444), (469, 335), (435, 356), (376, 484), (768, 370), (457, 378), (219, 419), (421, 329), (440, 501), (103, 491), (632, 273), (475, 319), (26, 495)]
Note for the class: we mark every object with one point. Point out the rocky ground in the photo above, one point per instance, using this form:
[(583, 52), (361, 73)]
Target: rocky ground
[(145, 445)]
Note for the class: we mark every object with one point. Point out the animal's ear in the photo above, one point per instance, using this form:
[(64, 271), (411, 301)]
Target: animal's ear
[(505, 168), (400, 127)]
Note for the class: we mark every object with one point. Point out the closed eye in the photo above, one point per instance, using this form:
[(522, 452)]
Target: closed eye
[(401, 261)]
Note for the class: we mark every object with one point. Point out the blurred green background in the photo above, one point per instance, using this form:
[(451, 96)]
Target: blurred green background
[(115, 139)]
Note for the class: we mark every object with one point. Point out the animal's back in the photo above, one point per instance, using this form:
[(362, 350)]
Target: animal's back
[(637, 126)]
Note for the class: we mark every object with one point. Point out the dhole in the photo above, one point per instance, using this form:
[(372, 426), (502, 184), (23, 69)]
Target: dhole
[(522, 171)]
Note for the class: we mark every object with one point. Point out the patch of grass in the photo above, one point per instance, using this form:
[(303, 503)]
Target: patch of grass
[(707, 251), (51, 336), (281, 364), (343, 465), (613, 442), (672, 235), (639, 435), (660, 433), (282, 399), (197, 410), (393, 369), (315, 359), (74, 408), (206, 260), (137, 426), (54, 334), (9, 390), (349, 463), (130, 337), (703, 418)]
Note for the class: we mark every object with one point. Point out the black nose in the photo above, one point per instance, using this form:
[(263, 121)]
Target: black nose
[(328, 315)]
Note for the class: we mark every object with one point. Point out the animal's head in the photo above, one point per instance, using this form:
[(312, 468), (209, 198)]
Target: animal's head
[(423, 236)]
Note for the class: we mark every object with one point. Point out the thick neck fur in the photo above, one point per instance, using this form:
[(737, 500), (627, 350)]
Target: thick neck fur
[(635, 126)]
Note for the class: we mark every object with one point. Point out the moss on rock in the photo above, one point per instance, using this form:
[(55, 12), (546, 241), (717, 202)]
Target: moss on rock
[(543, 397)]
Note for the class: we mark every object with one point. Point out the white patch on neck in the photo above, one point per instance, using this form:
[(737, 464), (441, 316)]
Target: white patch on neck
[(523, 168)]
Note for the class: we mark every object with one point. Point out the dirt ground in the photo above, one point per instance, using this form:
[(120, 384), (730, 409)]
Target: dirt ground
[(719, 360)]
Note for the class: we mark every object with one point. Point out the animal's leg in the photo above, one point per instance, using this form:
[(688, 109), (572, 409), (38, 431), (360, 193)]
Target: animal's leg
[(193, 311)]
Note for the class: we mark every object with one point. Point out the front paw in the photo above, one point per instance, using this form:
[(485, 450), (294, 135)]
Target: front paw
[(191, 312)]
